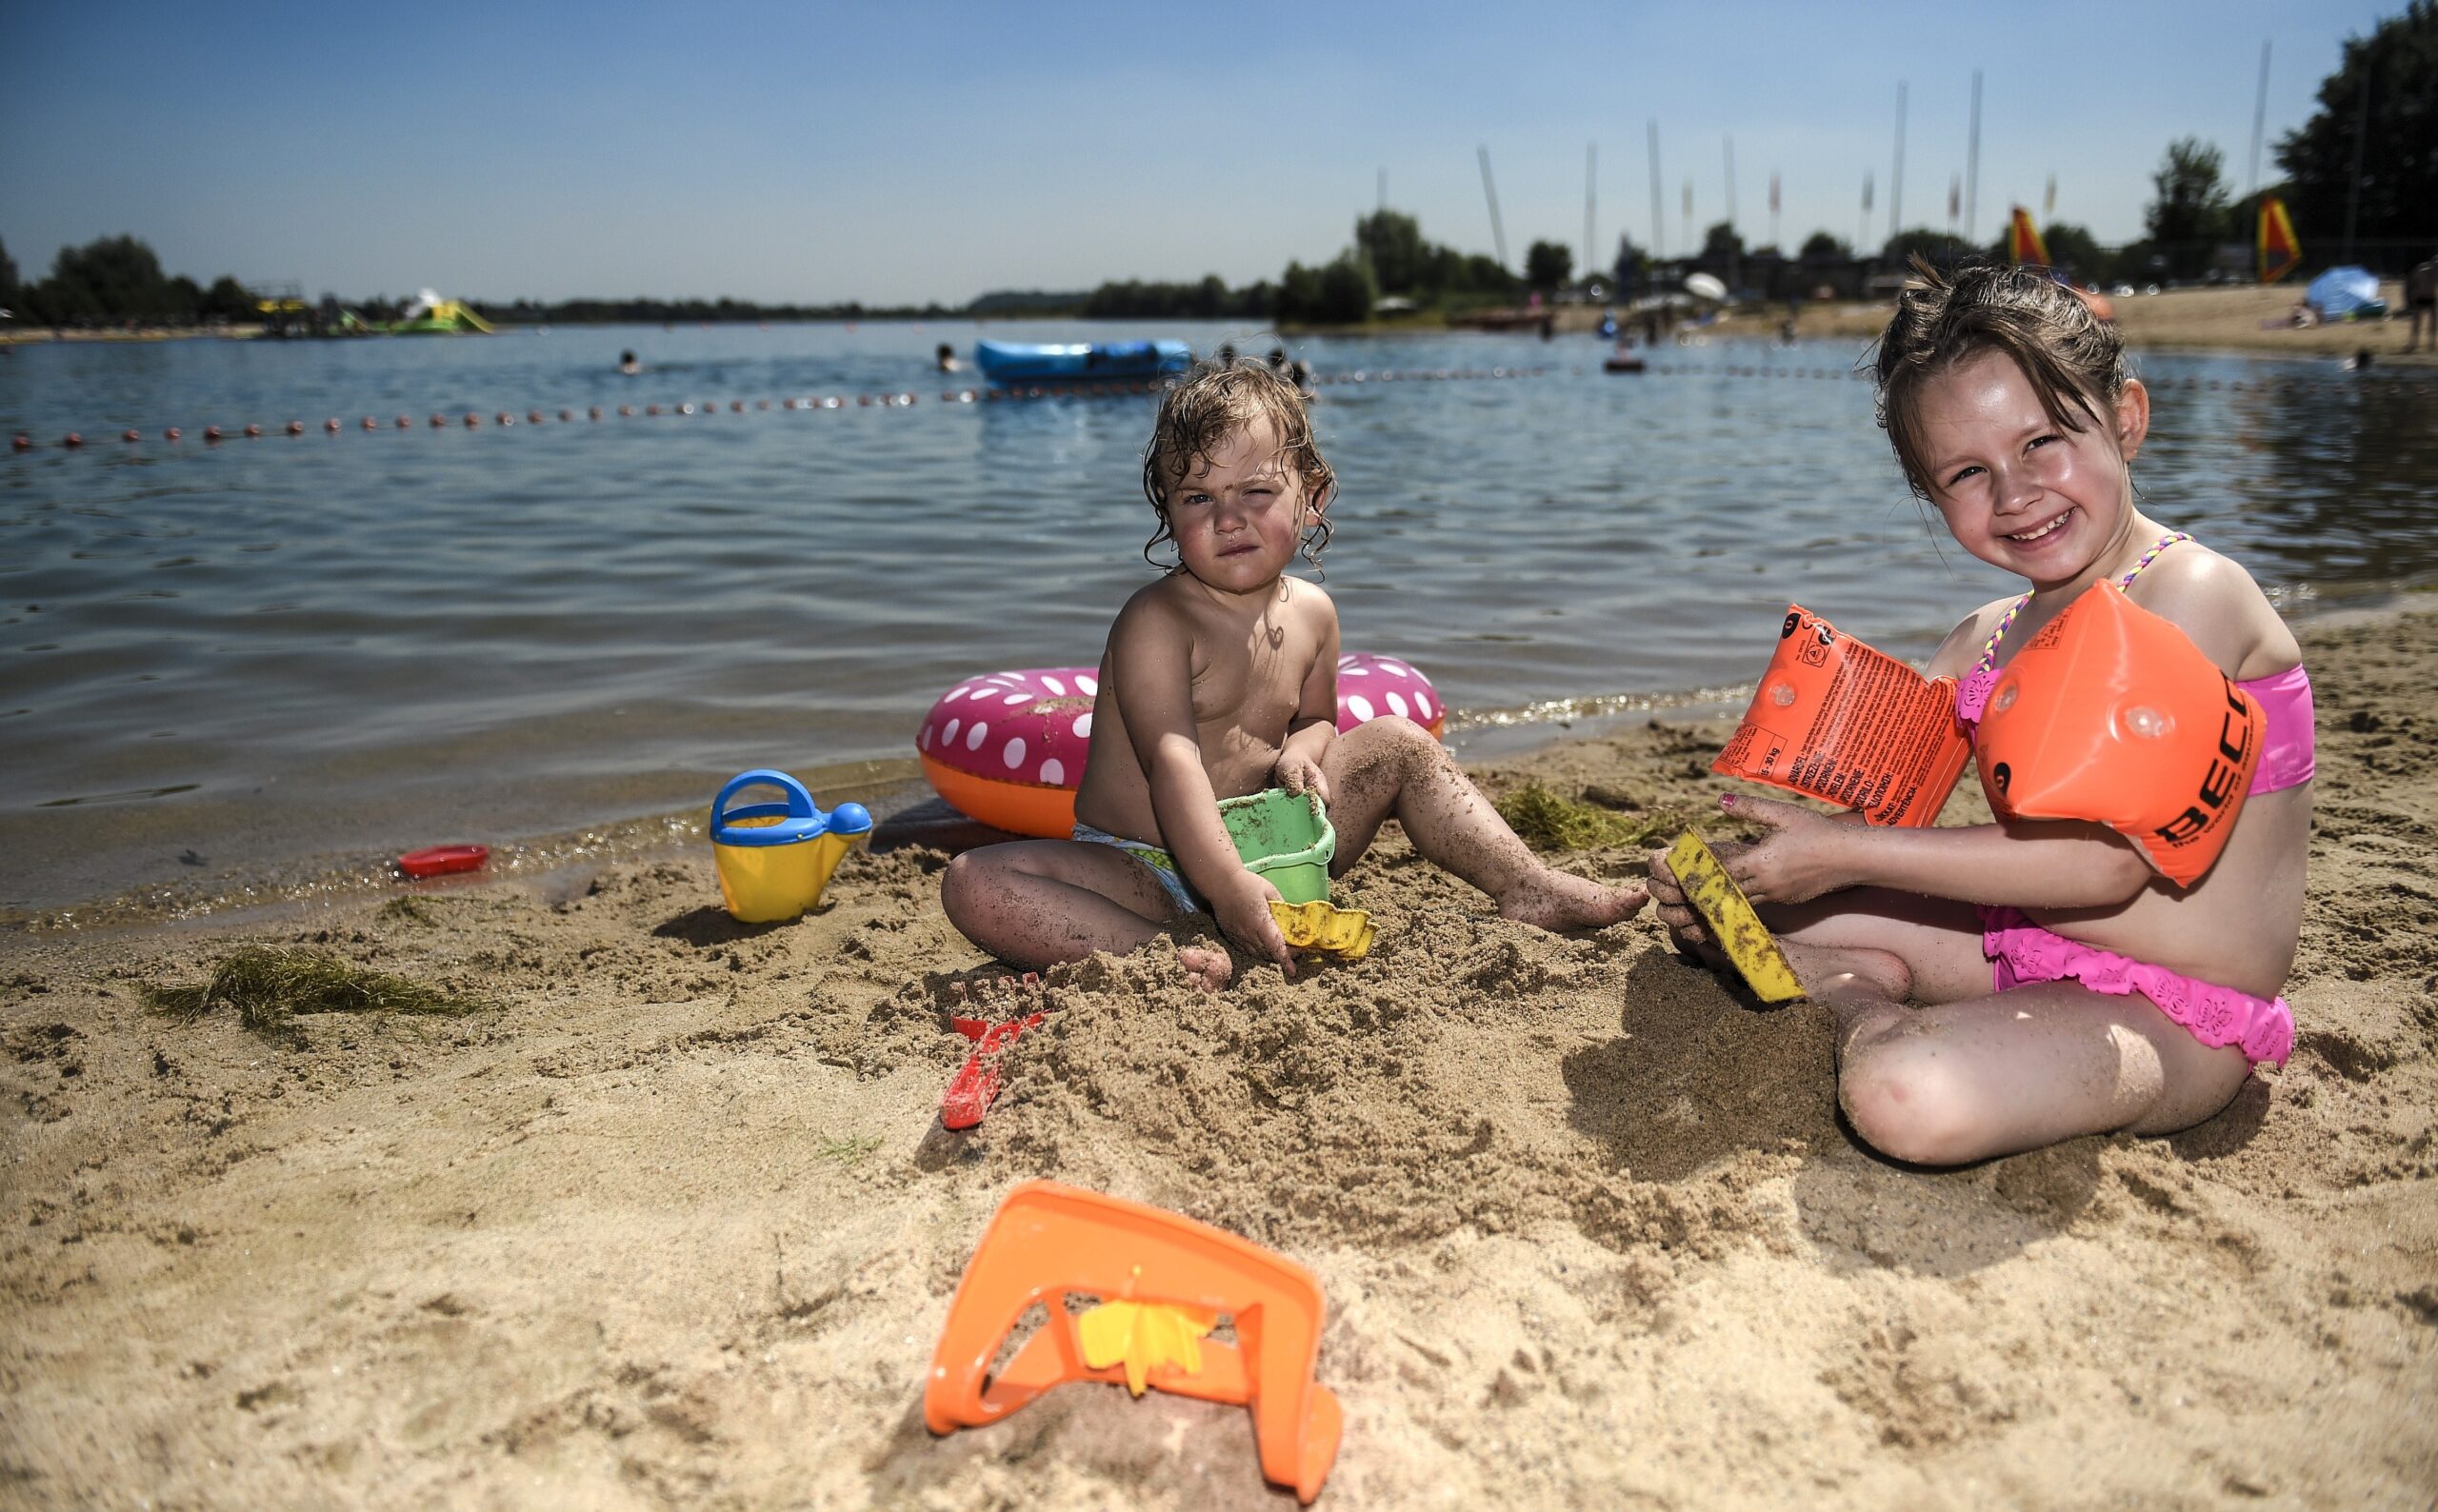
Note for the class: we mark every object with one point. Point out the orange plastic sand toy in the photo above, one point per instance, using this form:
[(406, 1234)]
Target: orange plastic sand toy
[(1164, 1279)]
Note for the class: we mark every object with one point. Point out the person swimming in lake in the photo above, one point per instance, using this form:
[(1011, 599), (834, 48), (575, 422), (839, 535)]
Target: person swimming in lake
[(1220, 680), (945, 358), (627, 365), (2004, 986)]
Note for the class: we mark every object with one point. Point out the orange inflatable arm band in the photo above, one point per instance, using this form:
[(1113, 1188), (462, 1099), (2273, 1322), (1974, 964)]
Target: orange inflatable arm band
[(2111, 715), (1836, 719)]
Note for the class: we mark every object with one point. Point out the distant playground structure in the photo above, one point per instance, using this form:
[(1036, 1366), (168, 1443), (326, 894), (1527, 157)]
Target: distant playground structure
[(287, 315)]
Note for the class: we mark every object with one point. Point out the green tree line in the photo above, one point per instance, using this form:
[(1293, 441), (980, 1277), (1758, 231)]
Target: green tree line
[(1388, 257), (116, 279)]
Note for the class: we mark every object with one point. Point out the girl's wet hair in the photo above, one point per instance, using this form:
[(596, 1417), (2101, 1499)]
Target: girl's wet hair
[(2075, 361), (1213, 401)]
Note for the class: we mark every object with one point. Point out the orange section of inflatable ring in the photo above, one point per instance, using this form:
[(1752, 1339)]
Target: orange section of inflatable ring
[(1022, 809)]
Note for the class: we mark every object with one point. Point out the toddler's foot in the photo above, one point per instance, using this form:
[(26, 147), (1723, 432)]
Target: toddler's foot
[(1207, 965), (1557, 900)]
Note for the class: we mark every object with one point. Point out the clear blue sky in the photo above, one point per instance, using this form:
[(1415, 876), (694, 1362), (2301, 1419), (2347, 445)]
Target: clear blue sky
[(895, 151)]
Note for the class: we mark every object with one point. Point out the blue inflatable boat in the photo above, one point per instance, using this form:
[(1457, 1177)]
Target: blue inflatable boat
[(1009, 362)]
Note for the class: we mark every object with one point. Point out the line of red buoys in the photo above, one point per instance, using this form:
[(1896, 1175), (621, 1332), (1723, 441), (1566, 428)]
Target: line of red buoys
[(75, 441), (2412, 382)]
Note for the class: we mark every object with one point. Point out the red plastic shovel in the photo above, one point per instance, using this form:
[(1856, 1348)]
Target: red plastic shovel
[(976, 1084)]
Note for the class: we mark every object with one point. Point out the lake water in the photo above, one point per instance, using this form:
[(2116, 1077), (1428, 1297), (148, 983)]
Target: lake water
[(283, 656)]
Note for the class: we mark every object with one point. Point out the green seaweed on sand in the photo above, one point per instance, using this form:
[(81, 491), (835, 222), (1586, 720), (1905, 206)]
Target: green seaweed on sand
[(847, 1151), (1546, 821), (271, 988)]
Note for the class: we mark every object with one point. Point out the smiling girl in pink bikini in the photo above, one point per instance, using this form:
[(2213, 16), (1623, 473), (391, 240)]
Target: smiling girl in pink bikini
[(2063, 986)]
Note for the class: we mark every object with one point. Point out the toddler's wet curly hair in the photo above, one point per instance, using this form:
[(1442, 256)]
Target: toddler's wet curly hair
[(2075, 361), (1213, 401)]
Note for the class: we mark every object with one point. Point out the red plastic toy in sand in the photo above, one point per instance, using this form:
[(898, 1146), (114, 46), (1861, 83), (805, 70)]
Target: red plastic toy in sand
[(976, 1084), (440, 860)]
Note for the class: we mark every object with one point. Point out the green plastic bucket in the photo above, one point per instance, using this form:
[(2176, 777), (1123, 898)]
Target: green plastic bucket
[(1285, 838)]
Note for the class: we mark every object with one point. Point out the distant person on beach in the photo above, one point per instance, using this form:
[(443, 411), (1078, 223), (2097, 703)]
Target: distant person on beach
[(2008, 986), (1220, 680), (2421, 300), (627, 365), (945, 358)]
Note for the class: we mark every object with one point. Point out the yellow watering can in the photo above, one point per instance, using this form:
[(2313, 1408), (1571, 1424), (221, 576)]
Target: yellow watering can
[(775, 857)]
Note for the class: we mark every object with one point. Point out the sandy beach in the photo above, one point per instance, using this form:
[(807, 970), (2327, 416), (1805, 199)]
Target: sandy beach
[(2240, 318), (667, 1219)]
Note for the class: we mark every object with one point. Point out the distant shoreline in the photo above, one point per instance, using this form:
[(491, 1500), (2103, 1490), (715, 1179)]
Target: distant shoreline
[(43, 335), (2223, 320)]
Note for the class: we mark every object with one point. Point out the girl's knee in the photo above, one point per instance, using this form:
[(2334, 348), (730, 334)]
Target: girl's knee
[(1416, 746), (957, 880), (1911, 1101), (968, 881), (1391, 730), (1387, 751)]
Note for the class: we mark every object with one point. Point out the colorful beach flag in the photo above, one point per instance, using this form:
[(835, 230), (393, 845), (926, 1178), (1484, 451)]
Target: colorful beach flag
[(2023, 240), (2279, 251)]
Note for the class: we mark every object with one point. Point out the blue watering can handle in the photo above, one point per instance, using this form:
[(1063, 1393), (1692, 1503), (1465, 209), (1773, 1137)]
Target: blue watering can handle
[(799, 803)]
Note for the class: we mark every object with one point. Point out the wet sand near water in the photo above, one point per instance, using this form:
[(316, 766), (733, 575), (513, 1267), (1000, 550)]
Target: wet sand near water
[(672, 1222)]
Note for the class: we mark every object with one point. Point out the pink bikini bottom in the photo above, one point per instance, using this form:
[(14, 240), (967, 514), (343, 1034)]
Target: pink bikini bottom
[(2022, 953)]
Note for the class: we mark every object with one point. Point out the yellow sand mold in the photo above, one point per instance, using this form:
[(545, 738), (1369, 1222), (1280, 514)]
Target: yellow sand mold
[(1738, 931), (1144, 1336), (1318, 926)]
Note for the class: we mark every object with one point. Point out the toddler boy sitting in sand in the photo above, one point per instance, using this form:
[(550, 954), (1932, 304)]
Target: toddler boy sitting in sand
[(1220, 680)]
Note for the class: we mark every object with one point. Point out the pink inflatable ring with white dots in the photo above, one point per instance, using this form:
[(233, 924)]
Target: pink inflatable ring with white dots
[(1008, 747)]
